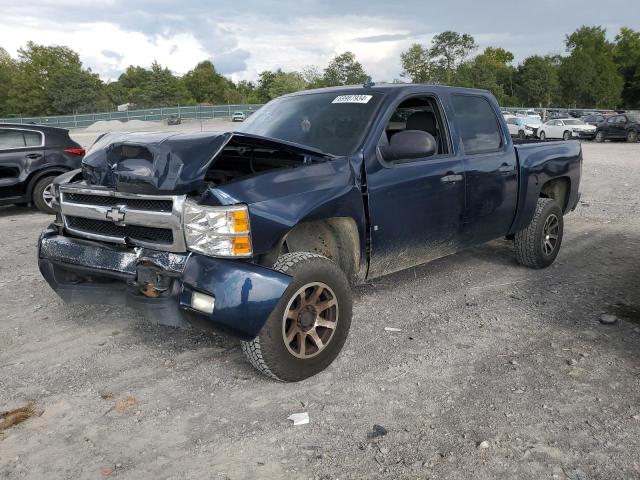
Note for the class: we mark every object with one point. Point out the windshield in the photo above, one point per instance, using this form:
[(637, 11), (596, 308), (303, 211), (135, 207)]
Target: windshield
[(577, 121), (634, 117), (334, 123)]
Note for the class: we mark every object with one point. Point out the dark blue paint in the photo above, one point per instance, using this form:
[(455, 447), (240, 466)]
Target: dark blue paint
[(245, 293)]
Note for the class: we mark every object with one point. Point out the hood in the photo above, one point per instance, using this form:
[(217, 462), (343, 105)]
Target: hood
[(168, 163)]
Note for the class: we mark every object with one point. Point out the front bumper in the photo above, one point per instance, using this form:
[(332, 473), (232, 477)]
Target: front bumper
[(88, 272), (584, 135)]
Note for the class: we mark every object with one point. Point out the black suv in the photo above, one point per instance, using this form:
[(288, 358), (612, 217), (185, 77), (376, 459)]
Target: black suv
[(31, 156), (621, 127)]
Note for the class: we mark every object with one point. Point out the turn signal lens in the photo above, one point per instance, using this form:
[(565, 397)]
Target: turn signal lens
[(240, 221), (241, 246)]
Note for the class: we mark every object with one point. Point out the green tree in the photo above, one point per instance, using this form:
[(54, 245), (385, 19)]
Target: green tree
[(448, 50), (39, 72), (491, 70), (80, 92), (344, 69), (416, 64), (205, 84), (537, 81), (7, 72), (154, 87), (626, 54), (274, 84), (588, 76)]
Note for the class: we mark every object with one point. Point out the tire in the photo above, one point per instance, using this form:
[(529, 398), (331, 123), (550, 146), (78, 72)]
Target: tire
[(632, 136), (296, 360), (522, 135), (566, 135), (41, 195), (600, 136), (543, 136), (532, 245)]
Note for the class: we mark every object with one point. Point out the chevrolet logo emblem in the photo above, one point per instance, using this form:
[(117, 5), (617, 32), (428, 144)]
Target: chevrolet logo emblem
[(116, 215)]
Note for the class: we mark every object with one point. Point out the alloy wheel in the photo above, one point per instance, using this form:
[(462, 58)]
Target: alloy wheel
[(550, 232), (310, 320)]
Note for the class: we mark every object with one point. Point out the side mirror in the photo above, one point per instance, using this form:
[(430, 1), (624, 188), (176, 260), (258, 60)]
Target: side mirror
[(409, 144)]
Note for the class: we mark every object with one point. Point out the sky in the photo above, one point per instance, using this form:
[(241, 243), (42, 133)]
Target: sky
[(245, 37)]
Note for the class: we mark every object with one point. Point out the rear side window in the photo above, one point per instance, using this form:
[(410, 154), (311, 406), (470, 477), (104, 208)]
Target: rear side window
[(32, 139), (11, 139), (477, 123)]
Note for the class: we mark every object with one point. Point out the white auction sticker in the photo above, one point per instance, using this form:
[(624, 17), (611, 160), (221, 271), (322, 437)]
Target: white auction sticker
[(352, 99)]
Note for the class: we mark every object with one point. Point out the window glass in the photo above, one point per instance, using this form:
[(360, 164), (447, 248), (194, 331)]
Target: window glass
[(622, 119), (334, 123), (611, 119), (32, 139), (11, 139), (477, 123), (419, 113)]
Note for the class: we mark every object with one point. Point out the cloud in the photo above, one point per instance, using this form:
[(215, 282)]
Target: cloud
[(387, 37), (245, 38)]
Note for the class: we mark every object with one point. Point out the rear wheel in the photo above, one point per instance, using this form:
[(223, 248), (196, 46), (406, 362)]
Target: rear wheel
[(632, 136), (42, 195), (600, 136), (537, 246), (308, 328), (543, 135), (566, 135)]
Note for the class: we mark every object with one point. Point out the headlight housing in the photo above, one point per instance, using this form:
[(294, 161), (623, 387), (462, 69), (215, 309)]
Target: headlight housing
[(217, 231)]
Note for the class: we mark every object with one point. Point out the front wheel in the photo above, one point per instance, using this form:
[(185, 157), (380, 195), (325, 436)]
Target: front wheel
[(310, 324), (543, 136), (600, 136), (566, 135), (632, 136), (537, 246)]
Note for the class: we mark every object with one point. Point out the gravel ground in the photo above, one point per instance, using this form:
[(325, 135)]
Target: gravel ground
[(498, 372)]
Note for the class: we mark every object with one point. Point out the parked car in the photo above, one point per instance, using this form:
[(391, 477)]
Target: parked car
[(566, 128), (522, 127), (528, 113), (238, 117), (174, 120), (594, 119), (620, 127), (31, 156), (260, 232)]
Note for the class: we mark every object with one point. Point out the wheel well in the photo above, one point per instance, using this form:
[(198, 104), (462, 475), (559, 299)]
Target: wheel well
[(33, 179), (335, 238), (557, 189)]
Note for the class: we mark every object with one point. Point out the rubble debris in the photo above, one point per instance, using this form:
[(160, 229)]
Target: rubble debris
[(18, 415), (299, 418), (377, 431)]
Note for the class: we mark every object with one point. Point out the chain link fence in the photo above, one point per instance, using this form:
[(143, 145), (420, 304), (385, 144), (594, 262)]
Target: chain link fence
[(199, 112)]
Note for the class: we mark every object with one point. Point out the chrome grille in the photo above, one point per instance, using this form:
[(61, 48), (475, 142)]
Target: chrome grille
[(151, 221)]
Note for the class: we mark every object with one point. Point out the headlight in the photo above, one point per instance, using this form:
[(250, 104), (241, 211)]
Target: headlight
[(217, 231)]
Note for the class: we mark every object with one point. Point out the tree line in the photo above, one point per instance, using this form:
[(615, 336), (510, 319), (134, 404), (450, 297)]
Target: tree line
[(595, 73)]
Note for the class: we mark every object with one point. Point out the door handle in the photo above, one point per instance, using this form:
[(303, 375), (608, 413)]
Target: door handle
[(504, 168), (451, 178), (33, 155)]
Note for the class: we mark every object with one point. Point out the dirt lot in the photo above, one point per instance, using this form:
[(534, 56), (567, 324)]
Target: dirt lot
[(488, 352)]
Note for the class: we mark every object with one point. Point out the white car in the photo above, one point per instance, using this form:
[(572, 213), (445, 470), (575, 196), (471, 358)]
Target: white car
[(238, 117), (518, 128), (528, 113), (566, 128)]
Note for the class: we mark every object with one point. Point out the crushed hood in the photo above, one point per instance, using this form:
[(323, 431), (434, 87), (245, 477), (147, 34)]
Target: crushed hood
[(167, 163)]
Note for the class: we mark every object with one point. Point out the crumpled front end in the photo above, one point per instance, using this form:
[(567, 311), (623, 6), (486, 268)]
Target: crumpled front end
[(176, 289)]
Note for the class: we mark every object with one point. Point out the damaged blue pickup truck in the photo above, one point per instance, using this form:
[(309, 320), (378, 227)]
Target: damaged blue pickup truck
[(260, 232)]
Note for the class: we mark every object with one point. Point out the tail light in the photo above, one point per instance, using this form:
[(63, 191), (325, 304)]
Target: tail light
[(75, 151)]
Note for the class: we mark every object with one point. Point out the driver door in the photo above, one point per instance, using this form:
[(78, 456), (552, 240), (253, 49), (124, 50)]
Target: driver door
[(415, 205)]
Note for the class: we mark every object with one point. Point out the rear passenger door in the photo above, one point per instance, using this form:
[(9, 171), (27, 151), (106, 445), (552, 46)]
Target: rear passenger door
[(20, 151), (490, 168)]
